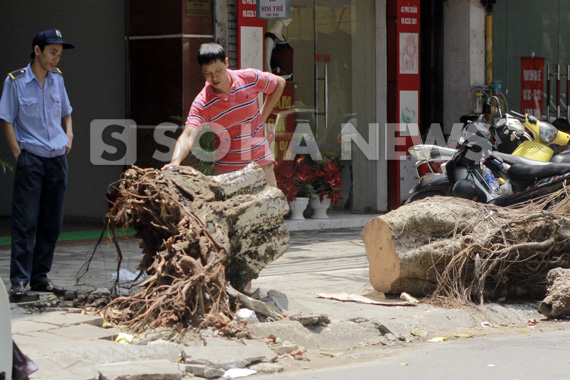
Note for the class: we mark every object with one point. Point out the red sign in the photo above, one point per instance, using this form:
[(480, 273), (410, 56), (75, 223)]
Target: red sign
[(532, 85), (409, 60), (281, 124), (250, 35), (407, 91)]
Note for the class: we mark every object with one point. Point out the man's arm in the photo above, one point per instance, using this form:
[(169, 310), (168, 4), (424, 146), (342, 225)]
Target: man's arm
[(67, 126), (10, 133), (272, 99), (183, 146)]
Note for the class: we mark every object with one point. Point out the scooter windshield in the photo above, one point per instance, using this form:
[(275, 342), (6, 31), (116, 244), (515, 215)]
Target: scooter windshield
[(476, 137)]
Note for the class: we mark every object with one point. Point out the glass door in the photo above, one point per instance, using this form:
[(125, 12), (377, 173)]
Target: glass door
[(334, 78)]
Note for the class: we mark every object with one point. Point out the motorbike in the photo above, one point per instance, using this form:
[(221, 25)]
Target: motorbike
[(509, 132), (479, 172), (510, 136), (430, 158), (545, 135)]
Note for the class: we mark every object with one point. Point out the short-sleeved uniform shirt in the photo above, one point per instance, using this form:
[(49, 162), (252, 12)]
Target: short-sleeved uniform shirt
[(36, 111), (236, 119)]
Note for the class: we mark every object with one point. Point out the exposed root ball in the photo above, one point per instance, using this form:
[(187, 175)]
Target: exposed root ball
[(197, 232)]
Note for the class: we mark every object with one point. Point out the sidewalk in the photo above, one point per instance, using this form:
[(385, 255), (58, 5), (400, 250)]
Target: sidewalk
[(68, 345)]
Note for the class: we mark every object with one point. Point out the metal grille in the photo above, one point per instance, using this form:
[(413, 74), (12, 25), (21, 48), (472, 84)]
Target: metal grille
[(232, 33)]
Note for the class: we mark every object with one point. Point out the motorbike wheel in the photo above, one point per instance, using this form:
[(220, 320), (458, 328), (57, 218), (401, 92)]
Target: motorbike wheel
[(423, 195)]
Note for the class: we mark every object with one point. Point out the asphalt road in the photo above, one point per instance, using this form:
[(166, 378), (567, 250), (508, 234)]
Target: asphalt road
[(528, 356)]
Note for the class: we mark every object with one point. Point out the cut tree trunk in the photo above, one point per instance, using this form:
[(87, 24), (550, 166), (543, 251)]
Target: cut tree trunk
[(197, 232), (457, 248), (557, 301)]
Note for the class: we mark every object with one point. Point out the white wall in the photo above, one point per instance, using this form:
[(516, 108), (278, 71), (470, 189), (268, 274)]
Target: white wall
[(464, 56)]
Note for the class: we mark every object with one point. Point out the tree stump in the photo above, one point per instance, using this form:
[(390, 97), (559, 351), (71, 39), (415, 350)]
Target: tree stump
[(557, 301), (457, 248), (197, 232)]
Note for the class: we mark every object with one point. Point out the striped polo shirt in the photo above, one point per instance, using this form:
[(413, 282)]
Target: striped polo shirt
[(236, 119)]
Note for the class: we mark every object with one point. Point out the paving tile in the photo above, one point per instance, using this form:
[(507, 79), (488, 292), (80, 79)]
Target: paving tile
[(85, 332), (64, 367), (63, 318), (24, 326), (147, 370)]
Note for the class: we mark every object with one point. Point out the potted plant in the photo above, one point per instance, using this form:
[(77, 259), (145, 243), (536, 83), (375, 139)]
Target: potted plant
[(294, 180), (327, 185)]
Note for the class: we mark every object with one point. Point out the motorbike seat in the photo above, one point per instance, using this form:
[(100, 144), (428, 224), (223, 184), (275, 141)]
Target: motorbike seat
[(562, 157), (512, 159), (527, 172)]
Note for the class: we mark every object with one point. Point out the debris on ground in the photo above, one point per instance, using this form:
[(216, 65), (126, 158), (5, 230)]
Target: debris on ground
[(374, 298), (312, 320)]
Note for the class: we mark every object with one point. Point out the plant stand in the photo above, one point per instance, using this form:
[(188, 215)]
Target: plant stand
[(297, 207), (320, 207)]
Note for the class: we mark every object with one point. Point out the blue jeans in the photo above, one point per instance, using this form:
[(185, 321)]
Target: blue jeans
[(40, 185)]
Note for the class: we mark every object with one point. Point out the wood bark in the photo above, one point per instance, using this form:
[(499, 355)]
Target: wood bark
[(557, 301), (197, 232), (457, 248)]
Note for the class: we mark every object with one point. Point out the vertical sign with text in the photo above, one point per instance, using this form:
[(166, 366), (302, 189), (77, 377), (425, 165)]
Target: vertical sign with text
[(408, 94), (532, 86), (250, 35)]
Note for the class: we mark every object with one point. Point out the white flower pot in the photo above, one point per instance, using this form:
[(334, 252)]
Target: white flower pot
[(297, 207), (320, 207)]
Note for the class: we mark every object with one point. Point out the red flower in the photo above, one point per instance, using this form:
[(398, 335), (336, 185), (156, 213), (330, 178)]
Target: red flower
[(309, 180)]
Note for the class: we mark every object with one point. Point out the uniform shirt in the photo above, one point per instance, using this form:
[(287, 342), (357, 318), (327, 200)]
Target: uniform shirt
[(235, 119), (36, 112)]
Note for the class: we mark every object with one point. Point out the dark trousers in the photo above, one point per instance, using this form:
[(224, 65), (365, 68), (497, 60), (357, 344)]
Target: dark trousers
[(37, 215)]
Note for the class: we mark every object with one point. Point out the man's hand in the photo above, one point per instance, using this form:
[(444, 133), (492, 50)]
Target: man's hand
[(170, 166), (68, 146), (182, 147), (10, 133), (67, 126), (272, 99)]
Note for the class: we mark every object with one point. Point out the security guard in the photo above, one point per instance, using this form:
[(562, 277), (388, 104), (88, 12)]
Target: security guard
[(36, 118)]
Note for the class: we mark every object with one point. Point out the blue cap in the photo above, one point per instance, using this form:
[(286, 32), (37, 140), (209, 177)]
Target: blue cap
[(50, 36)]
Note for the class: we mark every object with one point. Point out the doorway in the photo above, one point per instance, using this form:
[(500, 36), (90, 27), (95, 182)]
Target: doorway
[(332, 76)]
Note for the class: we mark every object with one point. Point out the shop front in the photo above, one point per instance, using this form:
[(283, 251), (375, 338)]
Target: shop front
[(325, 49), (531, 56)]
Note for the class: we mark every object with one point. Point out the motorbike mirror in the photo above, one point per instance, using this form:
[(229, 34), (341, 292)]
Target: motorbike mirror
[(493, 101)]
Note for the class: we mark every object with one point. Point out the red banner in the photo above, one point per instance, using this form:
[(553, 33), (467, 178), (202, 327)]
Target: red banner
[(407, 91), (532, 85), (250, 35), (409, 61)]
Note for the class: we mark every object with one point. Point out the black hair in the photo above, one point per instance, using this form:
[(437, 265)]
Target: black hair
[(32, 56), (211, 52)]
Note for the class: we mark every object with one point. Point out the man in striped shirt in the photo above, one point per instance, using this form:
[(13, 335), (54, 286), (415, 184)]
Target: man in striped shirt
[(228, 104)]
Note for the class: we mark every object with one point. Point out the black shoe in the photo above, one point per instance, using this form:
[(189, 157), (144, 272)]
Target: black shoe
[(18, 290), (49, 287)]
